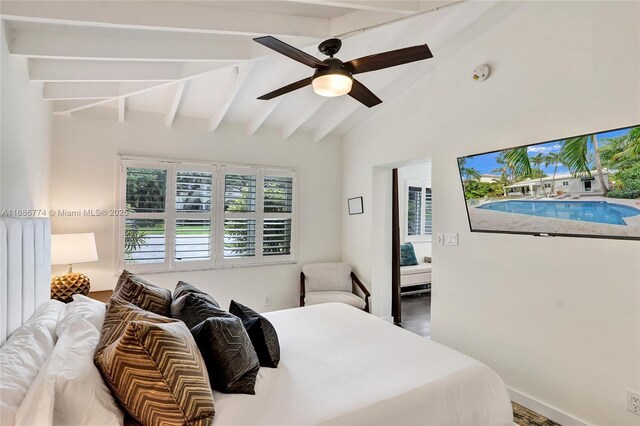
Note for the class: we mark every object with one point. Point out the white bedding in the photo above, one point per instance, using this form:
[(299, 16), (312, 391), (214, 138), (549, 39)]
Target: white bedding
[(342, 366)]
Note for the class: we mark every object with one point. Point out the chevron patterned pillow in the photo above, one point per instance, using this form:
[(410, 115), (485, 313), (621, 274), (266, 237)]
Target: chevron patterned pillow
[(154, 368), (142, 293), (119, 313)]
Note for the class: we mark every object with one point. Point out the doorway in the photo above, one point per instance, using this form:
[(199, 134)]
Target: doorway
[(411, 239)]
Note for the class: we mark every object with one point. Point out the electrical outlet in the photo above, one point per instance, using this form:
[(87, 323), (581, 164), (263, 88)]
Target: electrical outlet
[(267, 300), (440, 239), (633, 402)]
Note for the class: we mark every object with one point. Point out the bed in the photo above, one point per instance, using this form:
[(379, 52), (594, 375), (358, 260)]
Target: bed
[(338, 366), (341, 366)]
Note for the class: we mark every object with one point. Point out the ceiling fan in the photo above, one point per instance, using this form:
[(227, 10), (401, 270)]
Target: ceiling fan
[(332, 77)]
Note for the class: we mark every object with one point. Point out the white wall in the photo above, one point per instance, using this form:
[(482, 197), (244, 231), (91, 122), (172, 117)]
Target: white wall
[(25, 137), (558, 318), (84, 177)]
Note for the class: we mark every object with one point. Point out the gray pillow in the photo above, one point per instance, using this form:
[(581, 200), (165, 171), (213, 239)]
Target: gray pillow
[(183, 288), (228, 353), (261, 332)]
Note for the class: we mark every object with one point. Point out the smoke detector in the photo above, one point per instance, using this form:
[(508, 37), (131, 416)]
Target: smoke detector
[(481, 72)]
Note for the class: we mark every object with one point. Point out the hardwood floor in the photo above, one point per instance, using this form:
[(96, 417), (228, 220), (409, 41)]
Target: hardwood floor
[(416, 314)]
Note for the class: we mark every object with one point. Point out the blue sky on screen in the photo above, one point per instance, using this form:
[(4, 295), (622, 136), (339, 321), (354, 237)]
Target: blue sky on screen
[(486, 163)]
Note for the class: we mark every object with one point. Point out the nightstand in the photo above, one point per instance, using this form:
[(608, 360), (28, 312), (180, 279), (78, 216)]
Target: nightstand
[(102, 296)]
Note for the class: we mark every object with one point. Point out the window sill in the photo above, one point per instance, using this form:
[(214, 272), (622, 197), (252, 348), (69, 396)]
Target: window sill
[(426, 239), (236, 266)]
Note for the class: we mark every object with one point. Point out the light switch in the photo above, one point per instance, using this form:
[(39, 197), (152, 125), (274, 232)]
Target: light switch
[(451, 239)]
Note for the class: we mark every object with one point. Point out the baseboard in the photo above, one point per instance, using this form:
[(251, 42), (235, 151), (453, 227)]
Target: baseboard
[(548, 411)]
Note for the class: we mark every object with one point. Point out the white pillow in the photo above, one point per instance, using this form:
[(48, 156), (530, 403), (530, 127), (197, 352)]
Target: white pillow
[(69, 389), (48, 314), (20, 359), (83, 307)]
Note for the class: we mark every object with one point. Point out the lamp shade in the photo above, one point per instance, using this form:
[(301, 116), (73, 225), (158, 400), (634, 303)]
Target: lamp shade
[(67, 249)]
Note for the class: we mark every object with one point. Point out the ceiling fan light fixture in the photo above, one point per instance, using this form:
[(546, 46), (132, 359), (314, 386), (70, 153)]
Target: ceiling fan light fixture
[(332, 84)]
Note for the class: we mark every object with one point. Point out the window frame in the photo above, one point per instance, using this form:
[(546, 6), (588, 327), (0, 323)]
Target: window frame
[(217, 214), (423, 236)]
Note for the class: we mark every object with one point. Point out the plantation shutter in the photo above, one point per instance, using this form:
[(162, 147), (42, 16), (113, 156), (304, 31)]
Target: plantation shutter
[(414, 210), (145, 226), (188, 215), (240, 232), (428, 224), (278, 212), (194, 209)]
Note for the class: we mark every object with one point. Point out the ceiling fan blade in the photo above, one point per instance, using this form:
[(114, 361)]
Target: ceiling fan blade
[(360, 93), (388, 59), (286, 89), (290, 51)]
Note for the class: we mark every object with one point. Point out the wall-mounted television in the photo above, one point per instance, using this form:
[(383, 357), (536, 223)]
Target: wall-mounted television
[(577, 186)]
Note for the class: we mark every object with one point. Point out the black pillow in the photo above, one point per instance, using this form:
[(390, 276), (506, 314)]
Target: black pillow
[(191, 313), (183, 288), (231, 360), (261, 332)]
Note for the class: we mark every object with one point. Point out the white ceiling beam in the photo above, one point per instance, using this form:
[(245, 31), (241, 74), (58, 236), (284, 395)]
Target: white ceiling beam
[(232, 90), (122, 107), (303, 117), (59, 70), (164, 16), (67, 45), (391, 6), (78, 91), (65, 107), (338, 115), (175, 103), (135, 91), (264, 113)]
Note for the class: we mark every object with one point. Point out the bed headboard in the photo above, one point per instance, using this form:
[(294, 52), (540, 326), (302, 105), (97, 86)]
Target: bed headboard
[(25, 270)]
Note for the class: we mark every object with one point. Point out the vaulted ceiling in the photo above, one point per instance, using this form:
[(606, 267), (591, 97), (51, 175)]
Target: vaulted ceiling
[(197, 58)]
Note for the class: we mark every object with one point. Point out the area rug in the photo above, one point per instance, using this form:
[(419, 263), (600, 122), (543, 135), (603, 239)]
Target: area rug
[(525, 417)]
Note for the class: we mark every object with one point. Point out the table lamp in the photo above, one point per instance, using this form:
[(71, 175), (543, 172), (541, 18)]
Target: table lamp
[(68, 249)]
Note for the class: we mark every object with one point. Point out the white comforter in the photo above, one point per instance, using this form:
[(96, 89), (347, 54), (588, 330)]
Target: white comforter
[(341, 366)]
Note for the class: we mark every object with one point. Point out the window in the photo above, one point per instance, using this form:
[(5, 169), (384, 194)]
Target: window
[(200, 216), (419, 220), (565, 183)]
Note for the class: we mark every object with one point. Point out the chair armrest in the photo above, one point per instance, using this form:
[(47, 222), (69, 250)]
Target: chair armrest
[(356, 280), (301, 288)]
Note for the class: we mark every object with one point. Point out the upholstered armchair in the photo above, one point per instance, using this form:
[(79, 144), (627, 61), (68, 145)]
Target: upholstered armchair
[(332, 282)]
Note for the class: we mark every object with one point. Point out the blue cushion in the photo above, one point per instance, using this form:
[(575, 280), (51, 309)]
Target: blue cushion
[(407, 255)]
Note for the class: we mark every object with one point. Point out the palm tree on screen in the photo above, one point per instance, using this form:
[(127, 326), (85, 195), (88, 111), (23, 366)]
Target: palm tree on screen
[(632, 145), (468, 173), (553, 158), (575, 155), (538, 160), (518, 160)]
